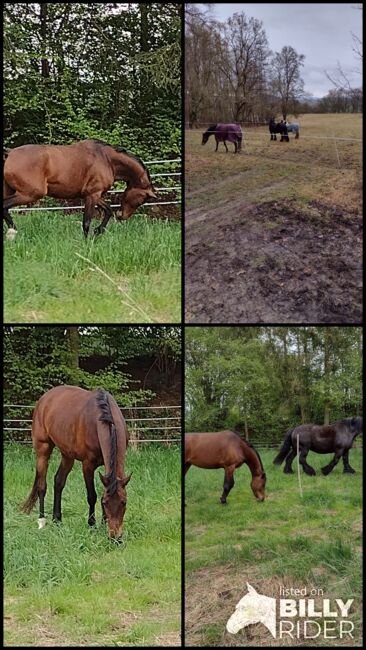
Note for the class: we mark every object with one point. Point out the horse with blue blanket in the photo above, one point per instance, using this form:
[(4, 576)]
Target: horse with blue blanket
[(230, 132)]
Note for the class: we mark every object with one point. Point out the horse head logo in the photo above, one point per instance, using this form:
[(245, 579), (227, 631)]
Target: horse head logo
[(253, 608)]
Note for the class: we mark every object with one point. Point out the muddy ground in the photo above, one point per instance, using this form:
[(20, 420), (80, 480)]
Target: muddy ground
[(275, 262)]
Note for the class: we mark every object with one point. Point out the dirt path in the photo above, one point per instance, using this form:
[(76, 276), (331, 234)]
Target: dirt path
[(273, 262)]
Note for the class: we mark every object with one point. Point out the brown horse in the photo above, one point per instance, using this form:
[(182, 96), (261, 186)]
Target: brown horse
[(85, 169), (225, 449), (87, 426)]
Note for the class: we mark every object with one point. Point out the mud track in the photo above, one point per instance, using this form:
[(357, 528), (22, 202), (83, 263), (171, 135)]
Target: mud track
[(274, 262)]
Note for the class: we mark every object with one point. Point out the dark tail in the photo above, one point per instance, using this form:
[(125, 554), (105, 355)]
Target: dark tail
[(30, 502), (284, 449)]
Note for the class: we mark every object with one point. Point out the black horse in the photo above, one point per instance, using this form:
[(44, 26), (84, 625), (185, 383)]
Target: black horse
[(278, 127), (337, 437)]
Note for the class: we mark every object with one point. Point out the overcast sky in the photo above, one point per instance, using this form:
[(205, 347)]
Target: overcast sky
[(320, 31)]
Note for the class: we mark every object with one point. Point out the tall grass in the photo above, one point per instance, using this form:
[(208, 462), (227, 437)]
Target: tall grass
[(311, 541), (70, 583), (45, 279)]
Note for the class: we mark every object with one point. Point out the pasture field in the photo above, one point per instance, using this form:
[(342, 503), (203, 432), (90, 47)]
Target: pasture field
[(274, 233), (46, 281), (286, 541), (69, 585)]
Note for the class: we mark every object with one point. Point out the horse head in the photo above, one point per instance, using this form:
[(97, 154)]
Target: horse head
[(258, 485), (132, 198), (114, 502), (253, 608)]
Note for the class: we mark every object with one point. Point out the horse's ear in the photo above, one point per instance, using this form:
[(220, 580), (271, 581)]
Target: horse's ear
[(124, 481), (151, 194), (251, 589), (103, 479)]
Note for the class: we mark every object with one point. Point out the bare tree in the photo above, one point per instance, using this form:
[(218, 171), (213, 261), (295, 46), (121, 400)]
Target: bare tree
[(241, 57), (287, 84)]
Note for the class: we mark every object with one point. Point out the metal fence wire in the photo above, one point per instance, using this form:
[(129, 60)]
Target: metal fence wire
[(144, 423)]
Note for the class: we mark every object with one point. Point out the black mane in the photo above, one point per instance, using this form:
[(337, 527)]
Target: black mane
[(124, 150), (106, 416), (212, 128), (251, 446)]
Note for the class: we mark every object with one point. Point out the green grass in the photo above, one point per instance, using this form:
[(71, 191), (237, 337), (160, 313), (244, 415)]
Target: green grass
[(69, 584), (313, 541), (46, 281)]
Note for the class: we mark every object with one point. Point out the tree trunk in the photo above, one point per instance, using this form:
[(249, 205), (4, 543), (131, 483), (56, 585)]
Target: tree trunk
[(74, 346), (45, 71)]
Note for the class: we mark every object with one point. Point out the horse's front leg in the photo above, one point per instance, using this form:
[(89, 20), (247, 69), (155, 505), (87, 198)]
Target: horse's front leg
[(328, 468), (217, 144), (347, 469), (90, 202), (302, 460), (226, 146), (228, 482), (88, 472), (59, 484), (108, 213)]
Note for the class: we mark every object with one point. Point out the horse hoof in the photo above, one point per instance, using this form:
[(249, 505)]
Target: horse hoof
[(224, 503), (41, 522), (349, 471), (324, 471), (288, 471)]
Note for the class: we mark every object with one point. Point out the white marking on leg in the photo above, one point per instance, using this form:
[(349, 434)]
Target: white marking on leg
[(11, 234), (41, 522)]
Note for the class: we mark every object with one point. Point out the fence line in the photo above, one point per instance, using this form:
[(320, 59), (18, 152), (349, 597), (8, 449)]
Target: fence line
[(81, 207), (18, 430), (125, 408), (309, 137)]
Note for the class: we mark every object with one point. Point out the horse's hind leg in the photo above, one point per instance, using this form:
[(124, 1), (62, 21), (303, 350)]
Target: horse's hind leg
[(59, 484), (186, 467), (347, 469), (302, 459), (228, 482), (289, 458), (226, 146), (44, 451), (328, 468)]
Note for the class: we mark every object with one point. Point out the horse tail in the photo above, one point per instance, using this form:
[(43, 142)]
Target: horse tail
[(284, 449), (30, 502)]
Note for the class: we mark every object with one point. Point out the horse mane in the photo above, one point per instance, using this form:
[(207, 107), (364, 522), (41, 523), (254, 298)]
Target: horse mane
[(251, 446), (120, 149), (212, 128), (106, 416)]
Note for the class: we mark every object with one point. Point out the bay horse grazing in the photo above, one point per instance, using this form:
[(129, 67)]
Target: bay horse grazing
[(230, 132), (224, 449), (334, 438), (85, 169), (87, 426), (279, 127)]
